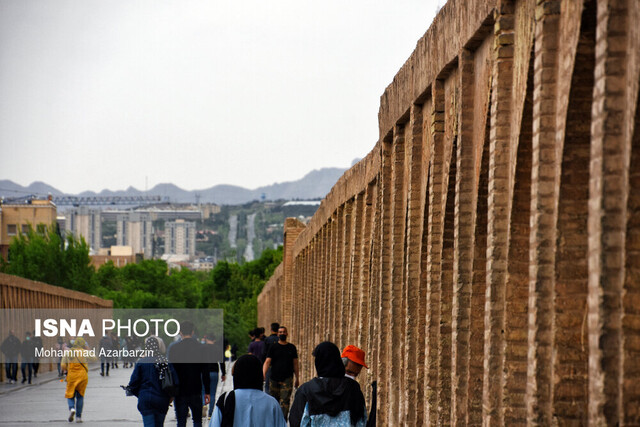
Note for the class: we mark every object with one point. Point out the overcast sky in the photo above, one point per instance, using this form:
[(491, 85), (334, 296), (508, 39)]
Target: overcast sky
[(106, 94)]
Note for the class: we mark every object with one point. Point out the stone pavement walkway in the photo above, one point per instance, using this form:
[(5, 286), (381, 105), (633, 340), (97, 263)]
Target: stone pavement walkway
[(105, 404)]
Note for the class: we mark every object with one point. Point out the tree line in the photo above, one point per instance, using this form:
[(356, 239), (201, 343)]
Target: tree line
[(42, 254)]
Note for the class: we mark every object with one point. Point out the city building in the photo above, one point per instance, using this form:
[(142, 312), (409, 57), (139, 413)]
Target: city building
[(118, 255), (85, 222), (135, 229), (180, 238), (18, 217)]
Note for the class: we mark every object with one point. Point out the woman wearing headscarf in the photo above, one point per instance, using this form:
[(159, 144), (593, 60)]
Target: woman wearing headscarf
[(247, 404), (77, 369), (145, 383), (330, 399)]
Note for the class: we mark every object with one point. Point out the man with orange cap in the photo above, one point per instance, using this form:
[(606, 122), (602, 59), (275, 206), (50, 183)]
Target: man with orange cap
[(353, 359)]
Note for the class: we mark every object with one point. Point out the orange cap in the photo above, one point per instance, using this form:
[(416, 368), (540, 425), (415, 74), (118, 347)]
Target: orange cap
[(354, 354)]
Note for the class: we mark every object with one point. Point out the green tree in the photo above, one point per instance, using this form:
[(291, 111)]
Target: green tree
[(42, 255)]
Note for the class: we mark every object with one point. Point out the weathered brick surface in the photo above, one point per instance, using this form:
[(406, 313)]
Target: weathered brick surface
[(485, 253)]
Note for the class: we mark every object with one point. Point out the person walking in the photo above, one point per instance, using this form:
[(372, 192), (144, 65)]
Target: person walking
[(27, 353), (330, 399), (256, 347), (247, 404), (216, 370), (146, 385), (77, 369), (115, 344), (268, 342), (192, 377), (283, 360), (37, 345), (10, 347), (106, 347), (59, 347), (353, 359)]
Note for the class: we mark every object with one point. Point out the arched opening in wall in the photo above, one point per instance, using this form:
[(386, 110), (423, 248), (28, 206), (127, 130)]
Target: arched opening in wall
[(571, 354), (479, 286), (423, 307), (446, 301), (517, 291), (631, 295)]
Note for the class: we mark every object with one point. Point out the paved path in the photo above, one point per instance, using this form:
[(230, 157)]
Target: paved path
[(233, 230), (43, 402), (251, 234)]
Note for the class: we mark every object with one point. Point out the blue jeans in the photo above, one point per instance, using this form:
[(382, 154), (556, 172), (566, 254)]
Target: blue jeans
[(183, 404), (26, 366), (153, 420), (213, 381), (11, 368), (77, 402)]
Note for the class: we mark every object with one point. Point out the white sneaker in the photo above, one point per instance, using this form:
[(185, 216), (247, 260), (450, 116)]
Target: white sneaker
[(72, 414), (78, 419)]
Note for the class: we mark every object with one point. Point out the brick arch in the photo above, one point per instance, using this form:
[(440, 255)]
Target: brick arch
[(517, 290), (478, 288), (570, 363)]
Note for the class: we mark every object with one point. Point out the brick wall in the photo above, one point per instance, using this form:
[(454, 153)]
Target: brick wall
[(485, 253), (20, 293)]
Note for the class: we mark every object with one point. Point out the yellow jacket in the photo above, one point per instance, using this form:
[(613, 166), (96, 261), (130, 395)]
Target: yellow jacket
[(77, 372)]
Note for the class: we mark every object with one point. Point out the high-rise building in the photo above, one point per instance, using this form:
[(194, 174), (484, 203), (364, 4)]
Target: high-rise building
[(135, 229), (85, 222), (180, 238)]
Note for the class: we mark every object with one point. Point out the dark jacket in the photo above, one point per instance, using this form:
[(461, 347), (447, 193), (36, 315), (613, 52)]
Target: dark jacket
[(145, 384), (191, 376), (329, 397), (11, 347), (27, 351), (106, 343)]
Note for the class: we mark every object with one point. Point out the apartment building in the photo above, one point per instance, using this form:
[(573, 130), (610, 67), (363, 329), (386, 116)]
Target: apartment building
[(135, 229), (85, 222), (180, 238)]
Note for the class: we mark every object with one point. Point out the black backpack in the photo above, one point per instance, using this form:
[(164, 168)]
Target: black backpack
[(227, 405), (168, 382)]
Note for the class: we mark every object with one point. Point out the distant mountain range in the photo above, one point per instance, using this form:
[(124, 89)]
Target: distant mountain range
[(315, 184)]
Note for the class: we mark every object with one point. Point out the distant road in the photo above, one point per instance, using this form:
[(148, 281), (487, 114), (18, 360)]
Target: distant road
[(251, 234), (233, 230)]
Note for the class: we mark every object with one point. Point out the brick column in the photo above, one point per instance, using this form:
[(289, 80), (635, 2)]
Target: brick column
[(292, 228), (613, 118), (544, 184), (434, 244), (345, 322), (355, 288), (465, 204), (398, 220), (413, 325), (373, 305), (385, 410), (338, 309), (498, 214)]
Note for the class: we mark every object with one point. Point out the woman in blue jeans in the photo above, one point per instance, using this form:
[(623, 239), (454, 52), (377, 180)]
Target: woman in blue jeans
[(153, 403), (216, 370)]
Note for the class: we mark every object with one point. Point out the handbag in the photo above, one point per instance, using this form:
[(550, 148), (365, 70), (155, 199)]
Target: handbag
[(168, 382)]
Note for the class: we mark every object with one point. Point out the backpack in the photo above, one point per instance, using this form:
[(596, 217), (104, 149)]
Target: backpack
[(168, 382), (227, 405)]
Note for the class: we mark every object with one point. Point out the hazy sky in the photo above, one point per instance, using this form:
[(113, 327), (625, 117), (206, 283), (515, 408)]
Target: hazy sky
[(107, 94)]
